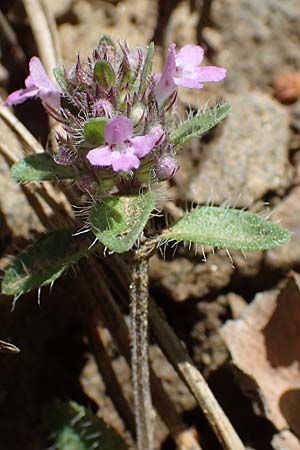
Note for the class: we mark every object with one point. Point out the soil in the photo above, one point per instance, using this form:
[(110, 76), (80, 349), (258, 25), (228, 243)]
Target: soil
[(251, 160)]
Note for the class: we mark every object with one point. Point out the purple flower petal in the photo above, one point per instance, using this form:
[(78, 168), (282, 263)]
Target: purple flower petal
[(166, 85), (188, 83), (118, 130), (124, 161), (100, 156), (37, 84), (20, 96), (208, 73), (189, 56), (142, 145), (38, 75)]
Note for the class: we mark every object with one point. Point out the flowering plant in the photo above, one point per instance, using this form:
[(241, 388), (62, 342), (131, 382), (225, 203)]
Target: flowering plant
[(119, 139)]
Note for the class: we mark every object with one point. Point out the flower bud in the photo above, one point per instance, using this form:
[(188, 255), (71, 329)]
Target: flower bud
[(166, 167), (137, 112)]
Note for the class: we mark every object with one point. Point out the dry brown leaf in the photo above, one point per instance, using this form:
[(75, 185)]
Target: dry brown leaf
[(265, 346)]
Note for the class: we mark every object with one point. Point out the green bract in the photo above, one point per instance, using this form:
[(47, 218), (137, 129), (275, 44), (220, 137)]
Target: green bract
[(226, 228), (147, 69), (118, 222), (40, 167), (104, 74)]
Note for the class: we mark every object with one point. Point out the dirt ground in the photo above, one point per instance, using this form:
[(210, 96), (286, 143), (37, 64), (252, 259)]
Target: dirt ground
[(239, 320)]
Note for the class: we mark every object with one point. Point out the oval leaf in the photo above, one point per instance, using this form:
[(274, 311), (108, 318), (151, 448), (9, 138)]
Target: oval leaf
[(44, 261), (40, 167), (74, 427), (118, 221), (104, 73), (226, 228), (199, 124), (94, 130)]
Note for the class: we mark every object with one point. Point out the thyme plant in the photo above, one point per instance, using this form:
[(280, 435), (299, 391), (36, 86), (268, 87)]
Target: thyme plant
[(121, 133)]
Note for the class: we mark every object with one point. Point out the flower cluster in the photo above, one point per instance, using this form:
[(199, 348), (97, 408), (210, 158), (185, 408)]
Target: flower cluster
[(116, 114)]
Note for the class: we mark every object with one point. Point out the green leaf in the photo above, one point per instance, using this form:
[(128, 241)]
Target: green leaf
[(147, 68), (73, 427), (226, 228), (94, 130), (104, 73), (44, 261), (104, 42), (119, 221), (40, 167), (199, 124)]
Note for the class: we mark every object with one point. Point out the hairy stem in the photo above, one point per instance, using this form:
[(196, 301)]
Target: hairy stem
[(139, 354), (114, 320)]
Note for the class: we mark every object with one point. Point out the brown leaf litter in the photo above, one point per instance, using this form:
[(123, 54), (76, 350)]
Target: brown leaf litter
[(265, 346)]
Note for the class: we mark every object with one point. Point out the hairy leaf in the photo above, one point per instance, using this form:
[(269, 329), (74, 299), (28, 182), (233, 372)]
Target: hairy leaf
[(199, 124), (94, 130), (44, 261), (76, 428), (119, 221), (40, 167), (226, 228)]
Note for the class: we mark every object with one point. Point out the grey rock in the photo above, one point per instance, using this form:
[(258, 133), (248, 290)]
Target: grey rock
[(259, 39), (248, 158)]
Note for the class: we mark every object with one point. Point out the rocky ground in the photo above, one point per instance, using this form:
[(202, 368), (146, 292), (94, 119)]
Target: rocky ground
[(240, 320)]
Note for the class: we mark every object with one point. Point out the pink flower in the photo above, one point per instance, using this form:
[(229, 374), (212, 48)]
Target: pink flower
[(183, 70), (123, 151), (37, 85)]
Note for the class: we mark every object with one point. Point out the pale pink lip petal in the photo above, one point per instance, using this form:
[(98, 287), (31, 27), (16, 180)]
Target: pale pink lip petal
[(118, 130), (29, 83), (50, 98), (188, 83), (124, 161), (209, 73), (100, 156), (166, 85), (17, 97), (142, 145), (189, 56), (123, 151)]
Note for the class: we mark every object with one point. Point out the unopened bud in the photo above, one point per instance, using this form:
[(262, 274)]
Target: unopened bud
[(137, 112), (166, 167)]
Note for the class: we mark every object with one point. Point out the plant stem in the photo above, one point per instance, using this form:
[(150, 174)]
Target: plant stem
[(114, 320), (139, 354)]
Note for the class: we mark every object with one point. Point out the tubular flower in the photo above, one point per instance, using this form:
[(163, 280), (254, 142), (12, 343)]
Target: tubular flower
[(183, 70), (123, 151), (37, 85)]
